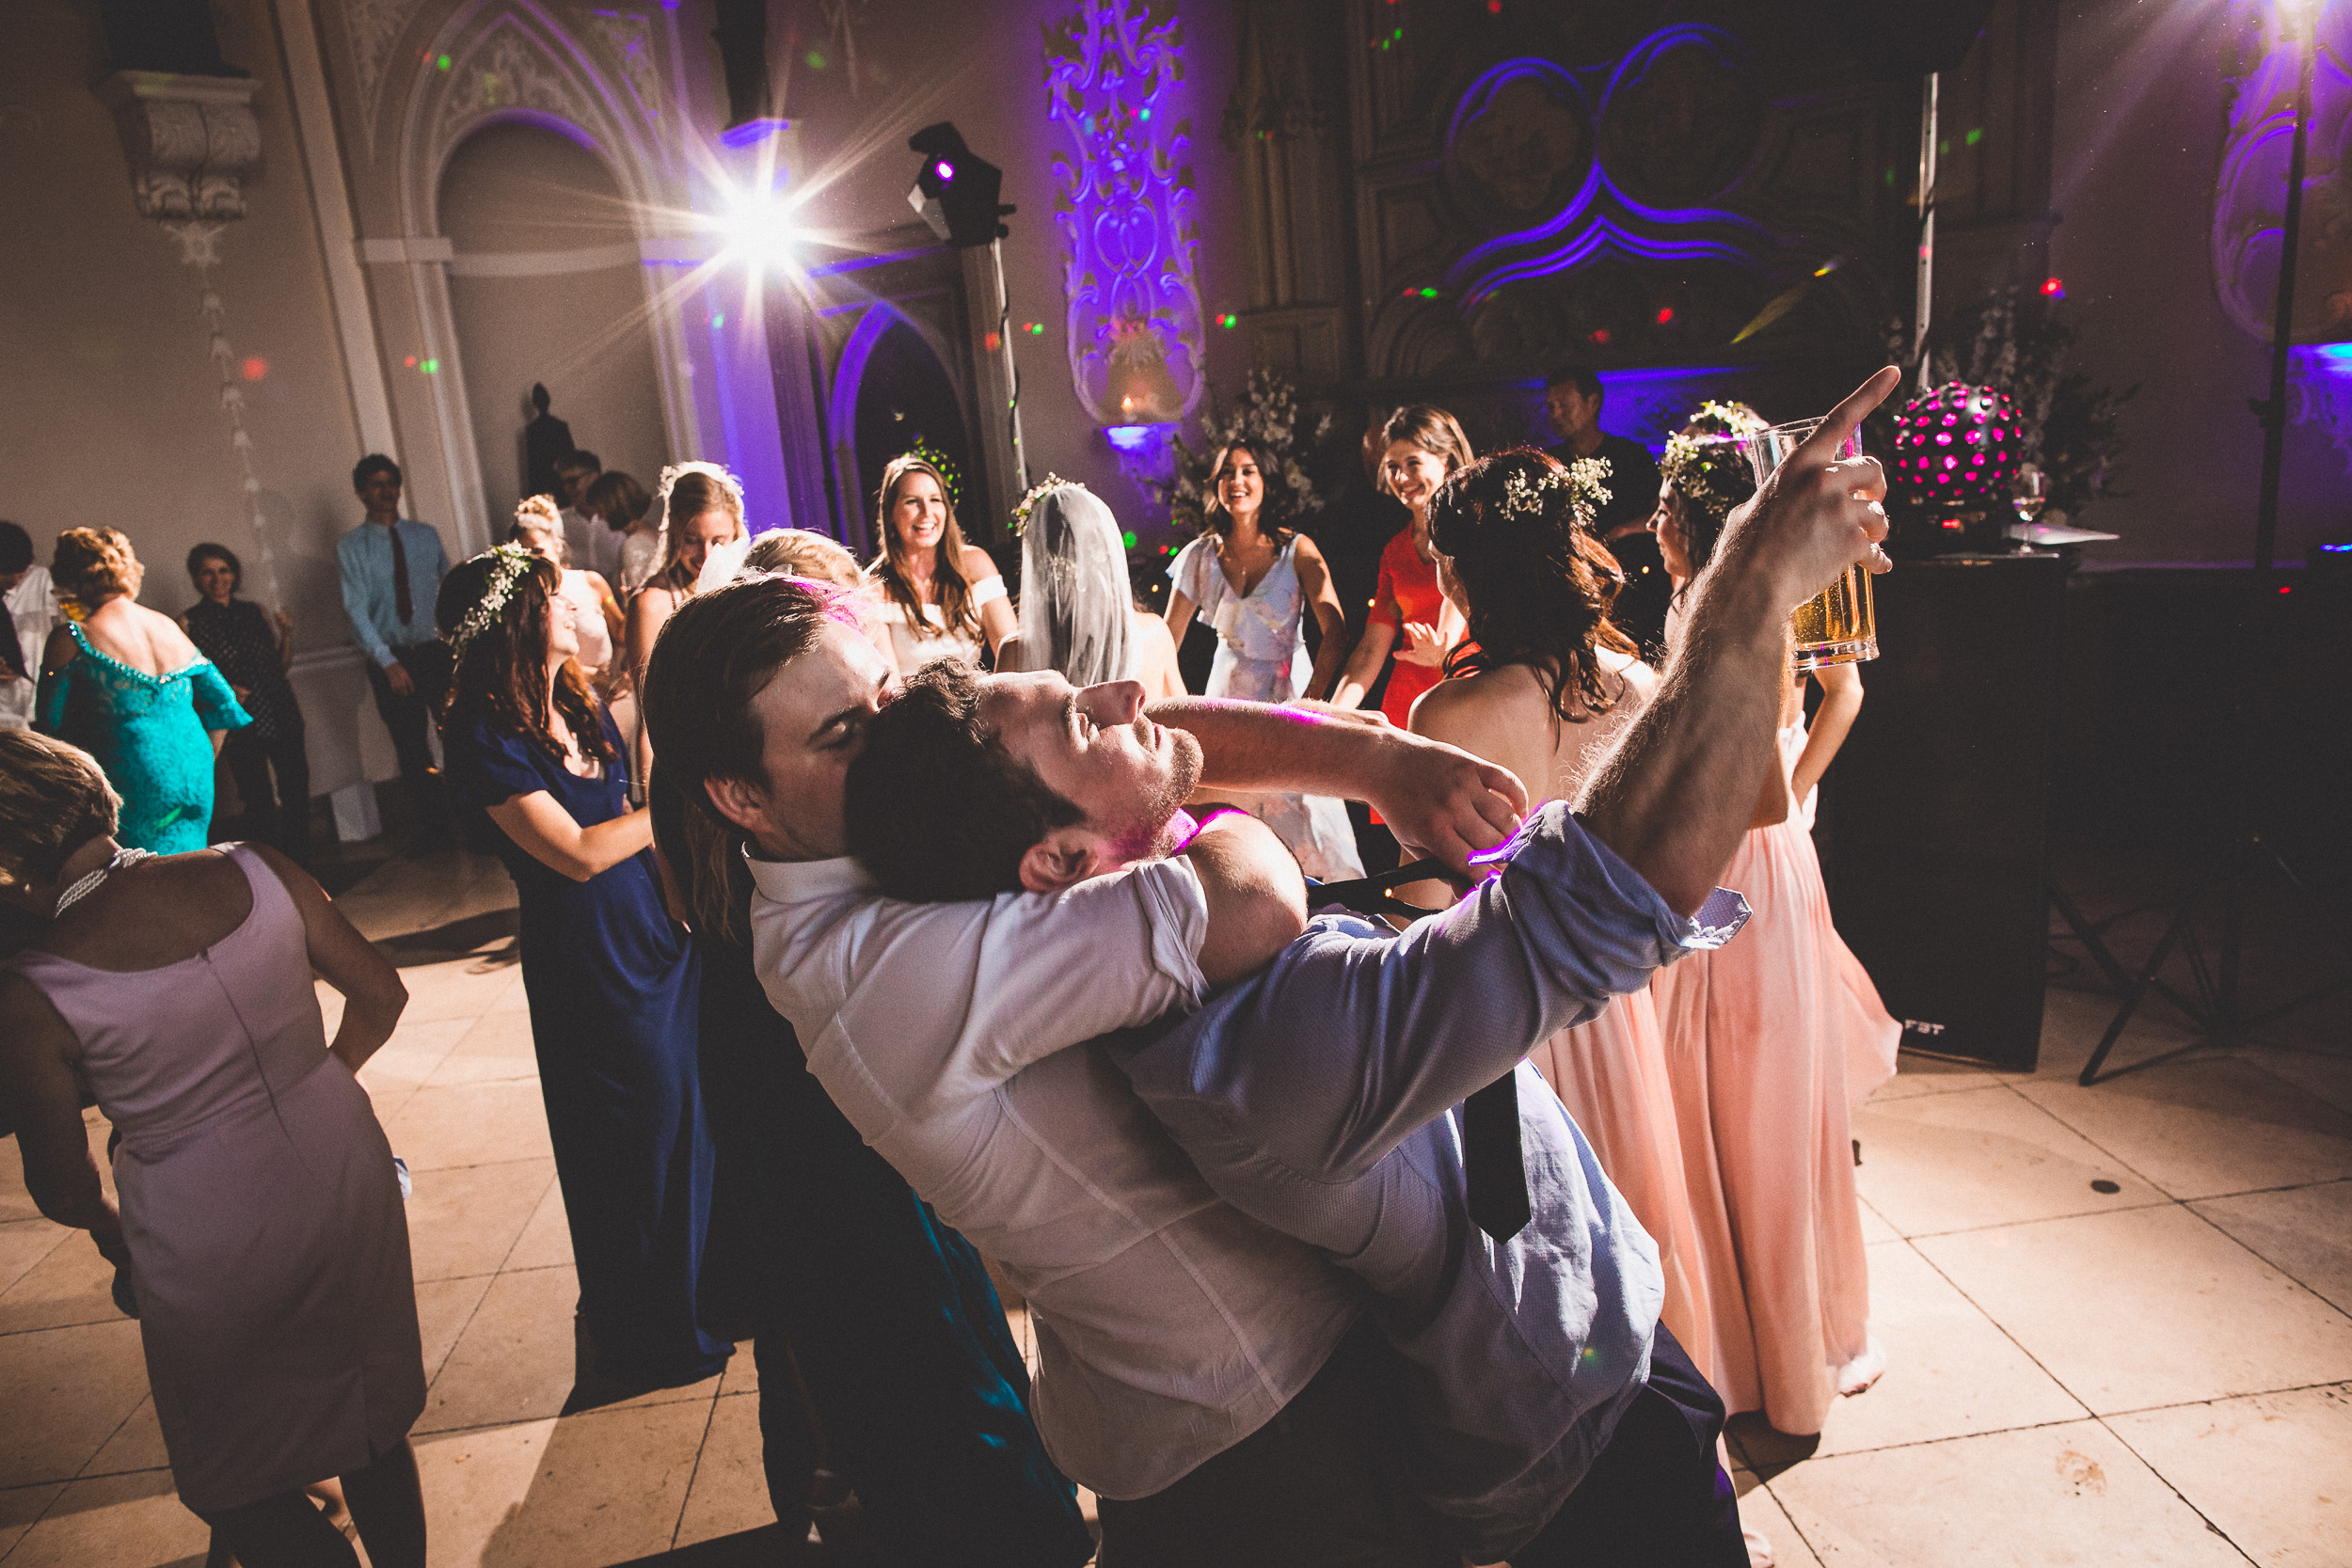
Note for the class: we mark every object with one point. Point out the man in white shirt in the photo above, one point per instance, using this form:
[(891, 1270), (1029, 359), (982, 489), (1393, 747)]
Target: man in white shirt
[(1172, 1328), (32, 614)]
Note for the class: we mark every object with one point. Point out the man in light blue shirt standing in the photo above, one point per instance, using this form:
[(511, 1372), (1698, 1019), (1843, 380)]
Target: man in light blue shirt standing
[(391, 569)]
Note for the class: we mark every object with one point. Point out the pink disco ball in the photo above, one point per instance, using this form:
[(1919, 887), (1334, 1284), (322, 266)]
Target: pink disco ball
[(1956, 448)]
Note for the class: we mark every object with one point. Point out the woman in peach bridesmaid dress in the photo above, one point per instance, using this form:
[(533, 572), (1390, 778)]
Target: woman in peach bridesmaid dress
[(1543, 683), (1772, 1041)]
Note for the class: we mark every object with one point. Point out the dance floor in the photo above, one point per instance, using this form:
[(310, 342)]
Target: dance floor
[(2156, 1375)]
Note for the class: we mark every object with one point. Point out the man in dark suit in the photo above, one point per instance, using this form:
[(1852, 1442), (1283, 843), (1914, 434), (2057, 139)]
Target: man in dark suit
[(1573, 397)]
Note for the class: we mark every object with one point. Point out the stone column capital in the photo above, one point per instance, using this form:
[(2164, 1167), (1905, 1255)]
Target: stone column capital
[(191, 141)]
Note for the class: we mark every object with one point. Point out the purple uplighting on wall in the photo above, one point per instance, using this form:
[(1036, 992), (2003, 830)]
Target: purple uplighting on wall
[(1523, 111), (1125, 210)]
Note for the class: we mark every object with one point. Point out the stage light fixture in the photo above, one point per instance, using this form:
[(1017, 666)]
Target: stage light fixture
[(762, 230), (955, 190)]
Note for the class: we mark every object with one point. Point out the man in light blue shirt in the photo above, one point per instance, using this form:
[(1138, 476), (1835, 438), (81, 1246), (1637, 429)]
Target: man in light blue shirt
[(391, 569)]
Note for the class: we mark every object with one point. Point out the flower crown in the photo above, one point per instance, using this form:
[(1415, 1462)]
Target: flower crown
[(1580, 478), (1699, 455), (1036, 492), (509, 566)]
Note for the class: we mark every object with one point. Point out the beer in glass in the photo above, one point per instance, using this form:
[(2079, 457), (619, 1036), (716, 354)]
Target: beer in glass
[(1839, 625)]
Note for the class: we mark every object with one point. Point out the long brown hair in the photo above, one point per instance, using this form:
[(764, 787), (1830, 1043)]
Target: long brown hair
[(1431, 429), (1539, 585), (500, 675), (890, 573), (708, 667)]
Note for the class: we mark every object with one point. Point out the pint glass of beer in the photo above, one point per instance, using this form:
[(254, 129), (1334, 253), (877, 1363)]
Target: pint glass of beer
[(1839, 625)]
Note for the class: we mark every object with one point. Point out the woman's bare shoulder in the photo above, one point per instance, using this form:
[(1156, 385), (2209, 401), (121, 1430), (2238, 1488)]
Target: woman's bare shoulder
[(978, 565)]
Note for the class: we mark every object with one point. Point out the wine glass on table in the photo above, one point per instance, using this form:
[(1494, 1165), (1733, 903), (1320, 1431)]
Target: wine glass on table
[(2028, 492)]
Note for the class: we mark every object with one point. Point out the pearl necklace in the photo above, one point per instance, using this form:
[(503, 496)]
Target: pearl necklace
[(88, 884)]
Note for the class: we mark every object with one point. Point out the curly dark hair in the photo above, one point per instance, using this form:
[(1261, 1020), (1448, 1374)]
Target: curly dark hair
[(500, 675), (1540, 586)]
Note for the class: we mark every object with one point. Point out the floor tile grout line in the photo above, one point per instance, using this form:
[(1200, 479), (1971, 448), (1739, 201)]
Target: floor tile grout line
[(686, 1498), (2157, 1202), (2003, 1329), (2266, 1263), (2137, 1173), (2169, 1486)]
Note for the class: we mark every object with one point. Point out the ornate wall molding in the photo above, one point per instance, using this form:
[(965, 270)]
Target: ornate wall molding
[(373, 27), (191, 141), (501, 72), (1124, 206)]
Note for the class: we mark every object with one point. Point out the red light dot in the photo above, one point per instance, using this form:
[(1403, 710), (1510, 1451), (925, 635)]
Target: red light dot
[(1666, 315), (2053, 286), (412, 361), (2285, 588), (994, 342), (1494, 8), (1600, 333), (256, 368)]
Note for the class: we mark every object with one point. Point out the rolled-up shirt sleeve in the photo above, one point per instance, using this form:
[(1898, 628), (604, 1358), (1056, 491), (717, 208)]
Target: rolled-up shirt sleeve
[(1026, 974), (1351, 1039)]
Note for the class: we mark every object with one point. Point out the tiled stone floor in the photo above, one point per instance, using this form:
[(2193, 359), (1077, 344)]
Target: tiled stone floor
[(2153, 1376)]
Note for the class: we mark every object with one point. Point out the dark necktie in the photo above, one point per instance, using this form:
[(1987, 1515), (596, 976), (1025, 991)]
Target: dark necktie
[(402, 606), (1492, 1160), (1493, 1164)]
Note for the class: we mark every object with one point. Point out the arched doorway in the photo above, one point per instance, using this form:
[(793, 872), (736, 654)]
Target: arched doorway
[(547, 286), (900, 396)]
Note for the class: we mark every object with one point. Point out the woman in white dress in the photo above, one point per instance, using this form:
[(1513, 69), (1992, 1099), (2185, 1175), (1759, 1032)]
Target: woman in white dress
[(1254, 583), (1078, 610), (940, 595)]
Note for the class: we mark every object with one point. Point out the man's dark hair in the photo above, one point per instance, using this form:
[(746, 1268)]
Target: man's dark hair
[(374, 464), (16, 548), (580, 460), (1582, 377), (222, 553), (936, 808), (713, 657)]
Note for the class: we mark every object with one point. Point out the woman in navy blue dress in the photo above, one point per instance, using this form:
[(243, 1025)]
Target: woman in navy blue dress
[(612, 980)]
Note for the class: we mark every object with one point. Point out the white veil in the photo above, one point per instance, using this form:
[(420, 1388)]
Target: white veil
[(1076, 604)]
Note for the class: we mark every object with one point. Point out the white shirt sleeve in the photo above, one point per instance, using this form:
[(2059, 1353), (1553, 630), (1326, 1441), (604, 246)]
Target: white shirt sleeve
[(954, 998), (987, 592)]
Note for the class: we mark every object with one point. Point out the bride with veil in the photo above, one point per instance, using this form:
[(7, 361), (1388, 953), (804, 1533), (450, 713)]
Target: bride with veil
[(1078, 612)]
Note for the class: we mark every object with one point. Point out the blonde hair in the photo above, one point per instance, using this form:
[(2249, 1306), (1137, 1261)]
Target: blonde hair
[(688, 491), (797, 552), (538, 514), (93, 563), (53, 799)]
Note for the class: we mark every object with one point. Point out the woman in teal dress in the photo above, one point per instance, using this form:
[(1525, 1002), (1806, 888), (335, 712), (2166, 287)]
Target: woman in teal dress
[(127, 686)]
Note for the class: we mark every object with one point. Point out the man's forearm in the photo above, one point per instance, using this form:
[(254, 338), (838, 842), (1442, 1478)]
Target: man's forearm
[(1262, 746), (1674, 796)]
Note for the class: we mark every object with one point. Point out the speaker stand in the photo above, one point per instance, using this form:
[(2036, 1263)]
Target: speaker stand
[(2215, 1009), (2217, 1013)]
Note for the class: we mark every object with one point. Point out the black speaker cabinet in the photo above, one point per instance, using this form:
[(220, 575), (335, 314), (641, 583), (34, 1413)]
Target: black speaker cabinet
[(1934, 819)]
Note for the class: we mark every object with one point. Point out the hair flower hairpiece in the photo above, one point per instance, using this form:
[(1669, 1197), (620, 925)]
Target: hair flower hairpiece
[(510, 564), (1580, 478), (1037, 491), (1705, 454)]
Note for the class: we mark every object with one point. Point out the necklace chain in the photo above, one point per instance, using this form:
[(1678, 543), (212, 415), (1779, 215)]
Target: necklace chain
[(88, 884)]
